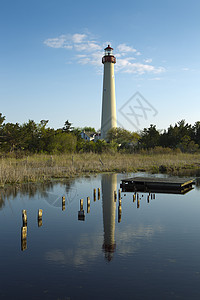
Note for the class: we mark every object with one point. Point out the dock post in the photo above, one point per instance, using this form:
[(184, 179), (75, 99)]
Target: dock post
[(24, 217), (115, 196), (63, 203), (81, 212), (81, 204), (23, 238), (39, 213), (138, 203), (98, 193), (119, 213), (133, 197), (94, 192), (39, 217), (24, 232), (88, 205), (81, 215), (119, 194)]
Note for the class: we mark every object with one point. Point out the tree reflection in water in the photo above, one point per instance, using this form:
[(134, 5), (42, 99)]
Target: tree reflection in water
[(42, 189)]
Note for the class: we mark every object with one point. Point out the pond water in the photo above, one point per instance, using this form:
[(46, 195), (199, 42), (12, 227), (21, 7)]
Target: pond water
[(149, 250)]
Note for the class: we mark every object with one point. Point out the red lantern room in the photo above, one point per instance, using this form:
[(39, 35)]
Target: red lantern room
[(108, 57)]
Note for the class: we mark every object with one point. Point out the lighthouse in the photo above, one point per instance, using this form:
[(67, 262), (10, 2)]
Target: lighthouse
[(108, 117)]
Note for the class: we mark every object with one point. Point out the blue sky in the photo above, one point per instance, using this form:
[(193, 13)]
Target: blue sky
[(50, 61)]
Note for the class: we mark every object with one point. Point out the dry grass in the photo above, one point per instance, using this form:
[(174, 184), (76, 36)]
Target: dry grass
[(45, 167)]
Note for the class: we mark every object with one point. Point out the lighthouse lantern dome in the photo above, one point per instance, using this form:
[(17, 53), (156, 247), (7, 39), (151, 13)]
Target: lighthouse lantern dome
[(108, 51), (108, 56)]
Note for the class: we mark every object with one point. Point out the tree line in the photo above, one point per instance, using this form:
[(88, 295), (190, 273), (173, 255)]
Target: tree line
[(31, 137)]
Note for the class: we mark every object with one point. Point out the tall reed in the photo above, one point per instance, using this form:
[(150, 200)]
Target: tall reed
[(43, 167)]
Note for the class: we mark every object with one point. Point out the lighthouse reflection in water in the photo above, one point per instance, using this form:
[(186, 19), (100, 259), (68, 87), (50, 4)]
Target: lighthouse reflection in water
[(108, 186)]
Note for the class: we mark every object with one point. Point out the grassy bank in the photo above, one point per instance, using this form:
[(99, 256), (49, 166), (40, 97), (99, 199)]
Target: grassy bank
[(45, 167)]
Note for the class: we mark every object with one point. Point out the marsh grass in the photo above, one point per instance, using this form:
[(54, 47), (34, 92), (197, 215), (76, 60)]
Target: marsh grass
[(46, 167)]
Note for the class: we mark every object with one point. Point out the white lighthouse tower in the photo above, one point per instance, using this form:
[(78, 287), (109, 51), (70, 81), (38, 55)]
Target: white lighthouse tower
[(108, 117)]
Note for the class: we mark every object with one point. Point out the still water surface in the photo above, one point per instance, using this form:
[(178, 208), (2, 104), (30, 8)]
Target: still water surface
[(149, 252)]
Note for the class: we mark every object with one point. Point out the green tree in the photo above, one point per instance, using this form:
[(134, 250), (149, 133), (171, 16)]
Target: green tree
[(123, 137), (150, 137), (175, 135), (67, 127), (64, 143), (11, 137), (77, 132), (88, 129), (101, 146), (2, 119), (30, 136), (196, 133)]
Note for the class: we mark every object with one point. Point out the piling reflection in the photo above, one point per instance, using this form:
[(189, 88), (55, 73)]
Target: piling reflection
[(108, 185), (24, 230), (88, 205), (81, 212), (63, 203), (40, 217), (23, 238)]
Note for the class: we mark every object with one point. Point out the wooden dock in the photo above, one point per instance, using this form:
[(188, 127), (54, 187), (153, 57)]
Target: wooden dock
[(156, 184)]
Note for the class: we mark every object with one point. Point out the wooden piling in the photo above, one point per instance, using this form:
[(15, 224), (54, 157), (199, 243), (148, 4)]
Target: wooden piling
[(115, 196), (23, 244), (119, 194), (63, 203), (138, 203), (23, 238), (88, 205), (133, 197), (39, 214), (81, 204), (81, 215), (119, 213), (94, 194), (24, 232), (98, 193), (39, 217), (24, 217), (39, 222)]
